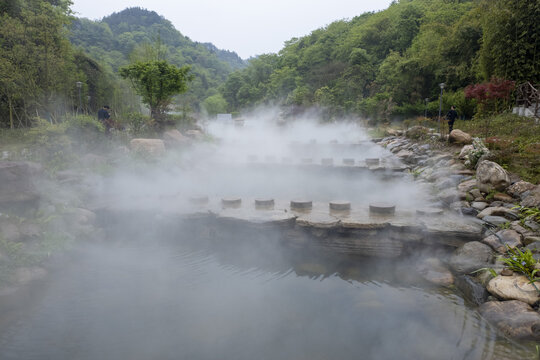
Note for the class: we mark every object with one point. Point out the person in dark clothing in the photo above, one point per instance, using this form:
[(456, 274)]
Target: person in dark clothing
[(104, 116), (451, 117)]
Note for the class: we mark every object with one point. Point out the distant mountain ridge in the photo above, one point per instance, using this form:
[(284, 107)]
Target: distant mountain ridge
[(113, 39)]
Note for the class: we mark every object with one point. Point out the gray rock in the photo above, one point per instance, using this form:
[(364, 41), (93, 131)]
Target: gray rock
[(495, 220), (469, 211), (470, 257), (499, 211), (465, 151), (479, 205), (467, 185), (529, 240), (475, 193), (503, 239), (532, 199), (491, 176), (518, 188), (532, 225), (472, 290), (514, 319), (534, 247)]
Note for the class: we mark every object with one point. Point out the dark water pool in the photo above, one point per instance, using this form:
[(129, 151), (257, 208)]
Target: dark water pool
[(179, 301)]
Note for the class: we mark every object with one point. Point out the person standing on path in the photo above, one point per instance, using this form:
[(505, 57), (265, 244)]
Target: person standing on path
[(451, 117), (104, 116)]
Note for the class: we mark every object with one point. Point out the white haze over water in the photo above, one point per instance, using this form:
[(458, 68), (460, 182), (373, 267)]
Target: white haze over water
[(265, 158)]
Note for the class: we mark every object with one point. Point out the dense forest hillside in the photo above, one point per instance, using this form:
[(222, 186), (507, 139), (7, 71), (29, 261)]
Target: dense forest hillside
[(139, 34), (52, 64), (388, 63)]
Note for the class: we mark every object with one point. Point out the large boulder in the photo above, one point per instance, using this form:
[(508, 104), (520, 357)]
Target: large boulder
[(515, 319), (470, 257), (459, 137), (515, 287), (491, 176), (174, 138), (17, 192), (520, 187), (465, 151), (532, 199), (148, 146)]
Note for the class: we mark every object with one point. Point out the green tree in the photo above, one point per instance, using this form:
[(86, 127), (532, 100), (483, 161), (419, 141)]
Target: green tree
[(215, 104), (157, 82)]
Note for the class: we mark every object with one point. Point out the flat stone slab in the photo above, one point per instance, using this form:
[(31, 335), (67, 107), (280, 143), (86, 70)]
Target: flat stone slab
[(274, 217), (451, 229), (317, 220)]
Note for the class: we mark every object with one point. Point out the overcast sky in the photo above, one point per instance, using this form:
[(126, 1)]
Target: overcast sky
[(249, 27)]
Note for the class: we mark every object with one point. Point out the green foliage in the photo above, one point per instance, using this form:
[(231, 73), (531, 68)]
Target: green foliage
[(526, 212), (522, 262), (215, 104), (511, 40), (157, 82), (513, 141), (136, 34), (384, 65)]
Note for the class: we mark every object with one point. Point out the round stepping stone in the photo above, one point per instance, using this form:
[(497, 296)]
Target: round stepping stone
[(231, 202), (264, 203), (339, 205), (270, 158), (348, 161), (313, 141), (301, 204), (372, 162), (199, 200), (334, 141), (253, 158), (307, 161), (382, 208), (327, 161), (430, 211)]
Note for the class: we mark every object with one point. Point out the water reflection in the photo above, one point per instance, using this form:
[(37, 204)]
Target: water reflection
[(178, 300)]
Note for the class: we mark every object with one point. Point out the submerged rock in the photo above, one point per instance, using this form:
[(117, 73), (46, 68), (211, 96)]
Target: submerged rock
[(434, 271), (514, 318)]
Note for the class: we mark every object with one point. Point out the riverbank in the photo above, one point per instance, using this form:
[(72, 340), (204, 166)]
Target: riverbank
[(494, 273)]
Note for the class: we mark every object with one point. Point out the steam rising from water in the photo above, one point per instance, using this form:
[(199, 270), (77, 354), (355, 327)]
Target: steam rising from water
[(156, 289), (268, 159)]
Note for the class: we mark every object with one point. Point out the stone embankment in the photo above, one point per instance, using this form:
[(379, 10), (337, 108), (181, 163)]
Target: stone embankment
[(488, 193)]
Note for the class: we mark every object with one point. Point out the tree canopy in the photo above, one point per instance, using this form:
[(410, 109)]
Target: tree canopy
[(157, 82), (387, 63)]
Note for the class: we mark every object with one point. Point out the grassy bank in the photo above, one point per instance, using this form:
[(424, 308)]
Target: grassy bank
[(514, 140)]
